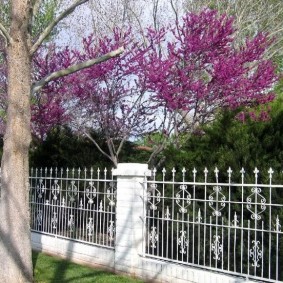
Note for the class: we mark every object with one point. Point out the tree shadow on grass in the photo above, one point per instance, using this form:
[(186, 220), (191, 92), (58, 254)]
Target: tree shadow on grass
[(55, 270), (34, 260)]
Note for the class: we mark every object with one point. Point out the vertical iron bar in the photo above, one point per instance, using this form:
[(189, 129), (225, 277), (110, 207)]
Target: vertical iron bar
[(217, 210), (256, 203), (199, 238), (262, 257), (158, 223), (183, 232), (177, 238), (222, 250), (229, 217), (148, 232), (188, 233), (235, 240), (183, 212), (107, 238), (82, 210), (164, 213), (270, 222), (50, 206), (194, 218), (62, 196), (248, 271), (242, 219), (167, 237), (104, 207), (173, 211), (204, 218), (210, 240), (277, 249), (96, 208)]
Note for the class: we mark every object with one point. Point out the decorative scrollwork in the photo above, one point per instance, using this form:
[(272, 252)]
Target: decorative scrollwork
[(39, 217), (81, 206), (153, 237), (111, 192), (277, 225), (54, 220), (90, 192), (71, 223), (90, 227), (153, 196), (111, 231), (258, 199), (235, 222), (183, 199), (199, 218), (72, 191), (40, 188), (167, 213), (218, 197), (216, 247), (255, 253), (100, 206), (55, 189), (183, 242)]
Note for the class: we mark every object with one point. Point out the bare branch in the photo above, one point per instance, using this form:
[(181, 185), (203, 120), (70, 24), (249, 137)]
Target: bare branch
[(96, 144), (121, 145), (5, 34), (112, 151), (50, 27), (72, 69), (175, 11)]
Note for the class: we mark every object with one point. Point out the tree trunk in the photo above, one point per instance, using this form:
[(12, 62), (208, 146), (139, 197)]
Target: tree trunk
[(15, 244)]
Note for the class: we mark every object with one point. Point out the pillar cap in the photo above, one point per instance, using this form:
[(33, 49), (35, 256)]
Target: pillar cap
[(132, 169)]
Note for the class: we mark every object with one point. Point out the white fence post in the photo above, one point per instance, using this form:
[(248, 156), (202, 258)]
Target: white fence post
[(129, 217)]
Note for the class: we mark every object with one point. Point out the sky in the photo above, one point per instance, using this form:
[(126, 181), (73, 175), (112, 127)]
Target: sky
[(85, 20)]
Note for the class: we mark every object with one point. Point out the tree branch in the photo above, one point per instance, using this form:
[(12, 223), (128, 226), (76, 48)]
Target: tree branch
[(50, 27), (121, 145), (74, 68), (97, 145), (5, 34)]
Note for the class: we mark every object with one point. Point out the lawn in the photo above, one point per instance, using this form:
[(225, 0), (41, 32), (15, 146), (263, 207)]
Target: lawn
[(52, 269)]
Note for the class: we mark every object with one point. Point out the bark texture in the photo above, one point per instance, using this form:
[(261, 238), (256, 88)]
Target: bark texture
[(15, 245)]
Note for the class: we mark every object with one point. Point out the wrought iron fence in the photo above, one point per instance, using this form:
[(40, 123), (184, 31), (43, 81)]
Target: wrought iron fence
[(75, 204), (217, 225)]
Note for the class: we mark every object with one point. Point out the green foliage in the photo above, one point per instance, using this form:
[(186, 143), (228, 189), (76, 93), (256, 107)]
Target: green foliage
[(5, 15), (45, 14), (62, 148), (231, 143)]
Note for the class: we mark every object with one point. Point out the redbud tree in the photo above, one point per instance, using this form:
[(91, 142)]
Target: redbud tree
[(197, 70), (108, 98), (177, 77)]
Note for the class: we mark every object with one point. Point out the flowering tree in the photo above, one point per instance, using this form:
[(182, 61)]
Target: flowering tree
[(201, 71), (179, 81), (249, 17), (108, 98)]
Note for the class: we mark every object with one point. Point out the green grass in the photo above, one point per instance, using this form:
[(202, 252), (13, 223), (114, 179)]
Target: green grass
[(52, 269)]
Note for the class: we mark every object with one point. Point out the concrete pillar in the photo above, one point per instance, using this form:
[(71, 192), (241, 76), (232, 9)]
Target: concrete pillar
[(130, 210)]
